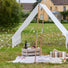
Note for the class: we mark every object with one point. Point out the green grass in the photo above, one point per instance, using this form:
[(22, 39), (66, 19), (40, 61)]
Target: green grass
[(52, 38)]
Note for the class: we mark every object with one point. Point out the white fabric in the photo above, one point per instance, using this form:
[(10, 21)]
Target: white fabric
[(31, 59), (66, 39), (55, 20), (27, 1), (16, 39)]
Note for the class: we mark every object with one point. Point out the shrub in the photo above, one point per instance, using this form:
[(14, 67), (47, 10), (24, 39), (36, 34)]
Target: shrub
[(64, 13), (10, 13), (64, 21), (40, 21), (33, 21), (25, 15)]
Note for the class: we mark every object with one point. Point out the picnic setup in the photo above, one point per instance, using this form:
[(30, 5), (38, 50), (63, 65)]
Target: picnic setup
[(33, 33), (34, 53)]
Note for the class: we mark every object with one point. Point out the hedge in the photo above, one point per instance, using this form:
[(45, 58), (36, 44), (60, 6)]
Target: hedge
[(40, 21)]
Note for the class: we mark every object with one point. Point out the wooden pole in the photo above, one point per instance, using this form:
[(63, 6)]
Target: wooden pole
[(41, 34), (37, 35)]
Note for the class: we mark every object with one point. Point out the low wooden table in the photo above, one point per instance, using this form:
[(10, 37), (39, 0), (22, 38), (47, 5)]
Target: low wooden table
[(31, 52)]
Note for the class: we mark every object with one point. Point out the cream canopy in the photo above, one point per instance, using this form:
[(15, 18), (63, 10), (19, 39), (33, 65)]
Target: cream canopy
[(16, 39)]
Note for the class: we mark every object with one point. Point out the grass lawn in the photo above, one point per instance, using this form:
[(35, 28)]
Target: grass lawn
[(52, 38)]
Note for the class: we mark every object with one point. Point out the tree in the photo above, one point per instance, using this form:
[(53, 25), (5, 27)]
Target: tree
[(34, 5), (10, 13)]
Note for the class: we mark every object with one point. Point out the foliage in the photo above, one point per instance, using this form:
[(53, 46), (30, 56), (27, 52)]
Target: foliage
[(9, 13), (67, 60), (25, 15), (33, 21), (64, 13), (64, 21), (40, 21), (34, 5)]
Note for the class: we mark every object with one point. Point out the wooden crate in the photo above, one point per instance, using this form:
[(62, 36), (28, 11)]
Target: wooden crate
[(31, 52)]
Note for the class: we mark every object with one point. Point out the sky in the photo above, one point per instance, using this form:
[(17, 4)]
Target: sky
[(27, 1)]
